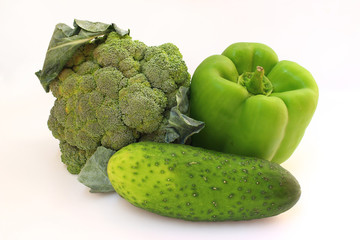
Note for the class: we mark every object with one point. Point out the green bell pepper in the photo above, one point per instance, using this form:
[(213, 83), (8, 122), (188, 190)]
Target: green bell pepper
[(252, 103)]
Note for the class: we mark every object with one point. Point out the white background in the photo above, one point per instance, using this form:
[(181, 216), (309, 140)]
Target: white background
[(39, 199)]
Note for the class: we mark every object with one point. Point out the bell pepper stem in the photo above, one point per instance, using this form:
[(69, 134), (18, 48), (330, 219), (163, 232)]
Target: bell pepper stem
[(256, 82)]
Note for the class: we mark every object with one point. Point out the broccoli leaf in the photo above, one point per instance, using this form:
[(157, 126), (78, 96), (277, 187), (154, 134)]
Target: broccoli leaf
[(181, 127), (94, 173), (64, 43)]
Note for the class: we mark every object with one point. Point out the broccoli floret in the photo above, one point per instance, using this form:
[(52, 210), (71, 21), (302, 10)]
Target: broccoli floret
[(164, 68), (88, 67), (73, 157), (142, 107), (113, 92), (159, 134), (109, 81)]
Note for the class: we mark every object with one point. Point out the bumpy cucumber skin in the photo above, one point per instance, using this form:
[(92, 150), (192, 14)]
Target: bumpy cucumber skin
[(195, 184)]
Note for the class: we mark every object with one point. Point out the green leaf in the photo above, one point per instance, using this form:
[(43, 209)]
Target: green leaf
[(181, 127), (64, 43), (94, 173)]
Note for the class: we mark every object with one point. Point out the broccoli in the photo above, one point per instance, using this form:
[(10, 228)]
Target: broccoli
[(112, 92)]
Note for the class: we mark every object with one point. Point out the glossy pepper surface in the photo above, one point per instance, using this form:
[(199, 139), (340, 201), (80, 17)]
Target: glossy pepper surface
[(252, 103)]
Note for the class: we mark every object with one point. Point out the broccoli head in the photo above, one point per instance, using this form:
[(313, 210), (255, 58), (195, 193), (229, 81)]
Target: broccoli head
[(112, 92)]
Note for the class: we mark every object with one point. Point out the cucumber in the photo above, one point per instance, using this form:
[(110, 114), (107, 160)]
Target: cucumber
[(190, 183)]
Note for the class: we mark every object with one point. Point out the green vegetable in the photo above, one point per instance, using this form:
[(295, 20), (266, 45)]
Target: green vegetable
[(66, 41), (181, 127), (195, 184), (94, 173), (252, 104), (111, 90)]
